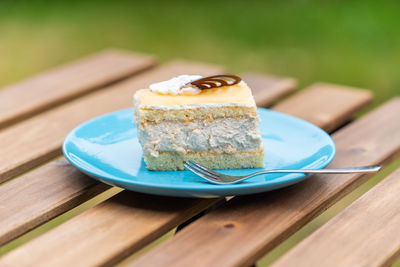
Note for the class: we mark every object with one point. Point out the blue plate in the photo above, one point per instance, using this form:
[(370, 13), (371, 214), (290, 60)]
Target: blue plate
[(107, 149)]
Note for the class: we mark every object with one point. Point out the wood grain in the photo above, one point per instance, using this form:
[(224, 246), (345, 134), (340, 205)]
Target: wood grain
[(42, 194), (250, 226), (36, 140), (69, 187), (133, 221), (366, 233), (269, 89), (46, 90), (343, 99), (114, 251)]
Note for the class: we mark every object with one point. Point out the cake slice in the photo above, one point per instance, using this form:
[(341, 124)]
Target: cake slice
[(210, 120)]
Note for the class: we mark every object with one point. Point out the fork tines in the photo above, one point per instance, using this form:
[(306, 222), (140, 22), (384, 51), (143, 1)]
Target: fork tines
[(201, 171)]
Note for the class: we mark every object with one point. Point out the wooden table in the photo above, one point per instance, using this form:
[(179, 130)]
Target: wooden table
[(38, 184)]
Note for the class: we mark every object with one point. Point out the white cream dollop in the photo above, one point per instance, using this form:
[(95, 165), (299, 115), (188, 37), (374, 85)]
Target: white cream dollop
[(177, 85)]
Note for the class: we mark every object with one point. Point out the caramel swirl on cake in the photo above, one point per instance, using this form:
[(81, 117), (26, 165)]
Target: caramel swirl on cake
[(215, 81)]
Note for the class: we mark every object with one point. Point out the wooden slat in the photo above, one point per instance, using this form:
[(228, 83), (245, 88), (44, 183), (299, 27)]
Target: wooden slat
[(51, 88), (343, 99), (268, 89), (366, 233), (250, 226), (68, 187), (36, 140), (114, 251)]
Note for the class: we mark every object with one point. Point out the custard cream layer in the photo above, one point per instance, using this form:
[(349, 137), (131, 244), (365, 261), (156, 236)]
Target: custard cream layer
[(222, 135), (226, 101)]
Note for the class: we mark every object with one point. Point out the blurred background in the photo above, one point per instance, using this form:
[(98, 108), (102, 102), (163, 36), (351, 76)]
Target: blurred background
[(355, 43), (347, 42)]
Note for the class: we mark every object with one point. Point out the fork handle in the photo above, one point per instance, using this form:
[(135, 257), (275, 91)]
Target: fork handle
[(362, 169)]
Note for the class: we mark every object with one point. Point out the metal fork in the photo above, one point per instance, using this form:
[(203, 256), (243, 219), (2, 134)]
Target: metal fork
[(219, 178)]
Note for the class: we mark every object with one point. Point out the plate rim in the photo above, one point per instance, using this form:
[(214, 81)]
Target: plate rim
[(217, 188)]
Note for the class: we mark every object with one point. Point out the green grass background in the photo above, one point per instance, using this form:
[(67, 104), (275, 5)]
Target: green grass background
[(354, 43), (347, 42)]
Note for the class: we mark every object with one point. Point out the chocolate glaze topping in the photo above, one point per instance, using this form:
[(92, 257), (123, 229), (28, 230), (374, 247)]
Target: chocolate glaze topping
[(215, 81)]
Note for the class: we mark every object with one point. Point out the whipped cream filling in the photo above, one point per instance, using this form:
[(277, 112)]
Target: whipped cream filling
[(222, 135), (177, 85)]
